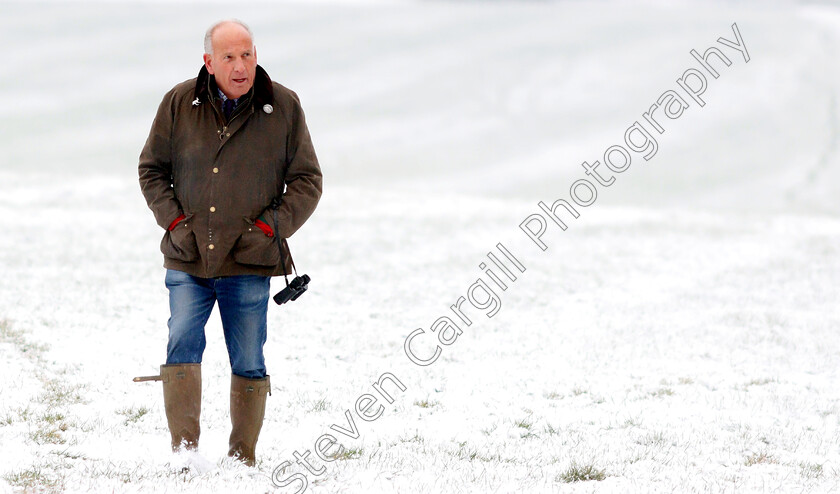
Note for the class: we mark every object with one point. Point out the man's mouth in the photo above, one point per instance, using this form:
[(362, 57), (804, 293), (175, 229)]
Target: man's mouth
[(240, 81)]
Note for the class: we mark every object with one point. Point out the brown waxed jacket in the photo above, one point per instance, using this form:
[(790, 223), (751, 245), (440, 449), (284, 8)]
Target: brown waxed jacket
[(223, 175)]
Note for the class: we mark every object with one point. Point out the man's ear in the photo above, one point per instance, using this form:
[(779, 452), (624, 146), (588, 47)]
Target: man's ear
[(255, 53), (208, 62)]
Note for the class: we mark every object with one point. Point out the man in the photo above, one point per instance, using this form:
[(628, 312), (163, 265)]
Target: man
[(223, 148)]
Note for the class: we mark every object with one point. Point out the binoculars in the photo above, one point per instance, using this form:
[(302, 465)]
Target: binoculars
[(293, 290)]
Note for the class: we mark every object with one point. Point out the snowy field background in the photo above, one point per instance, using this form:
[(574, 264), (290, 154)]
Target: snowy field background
[(680, 336)]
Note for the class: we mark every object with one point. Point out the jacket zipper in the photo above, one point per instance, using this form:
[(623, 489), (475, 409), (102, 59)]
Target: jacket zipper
[(223, 132)]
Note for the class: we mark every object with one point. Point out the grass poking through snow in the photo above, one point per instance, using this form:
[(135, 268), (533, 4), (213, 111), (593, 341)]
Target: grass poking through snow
[(581, 473), (46, 416)]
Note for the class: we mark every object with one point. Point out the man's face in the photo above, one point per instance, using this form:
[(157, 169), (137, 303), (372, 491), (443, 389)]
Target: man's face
[(234, 60)]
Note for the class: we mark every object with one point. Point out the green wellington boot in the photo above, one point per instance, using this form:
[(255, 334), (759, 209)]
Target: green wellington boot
[(247, 410), (182, 400)]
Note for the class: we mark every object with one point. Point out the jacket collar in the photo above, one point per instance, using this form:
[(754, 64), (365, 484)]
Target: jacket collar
[(205, 87)]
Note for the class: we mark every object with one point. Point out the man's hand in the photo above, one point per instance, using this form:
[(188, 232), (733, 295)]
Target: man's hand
[(175, 223), (262, 225)]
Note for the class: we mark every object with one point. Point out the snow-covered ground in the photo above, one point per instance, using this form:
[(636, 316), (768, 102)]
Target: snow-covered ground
[(680, 336)]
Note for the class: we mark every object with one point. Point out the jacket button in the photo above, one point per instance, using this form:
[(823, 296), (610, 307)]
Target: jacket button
[(228, 134), (215, 170), (211, 246), (212, 209)]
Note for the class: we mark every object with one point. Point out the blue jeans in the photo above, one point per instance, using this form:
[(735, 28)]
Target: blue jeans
[(243, 306)]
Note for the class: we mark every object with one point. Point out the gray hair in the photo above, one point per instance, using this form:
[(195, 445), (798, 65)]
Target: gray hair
[(208, 36)]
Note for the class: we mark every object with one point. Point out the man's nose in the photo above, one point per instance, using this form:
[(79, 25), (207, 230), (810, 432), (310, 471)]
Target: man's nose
[(239, 66)]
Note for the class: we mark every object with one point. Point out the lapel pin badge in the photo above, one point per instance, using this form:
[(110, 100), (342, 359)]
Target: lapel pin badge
[(268, 109), (196, 102)]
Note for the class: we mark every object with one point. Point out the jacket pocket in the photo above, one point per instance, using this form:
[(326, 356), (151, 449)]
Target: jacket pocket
[(180, 244), (255, 248)]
